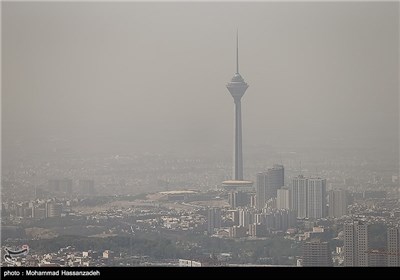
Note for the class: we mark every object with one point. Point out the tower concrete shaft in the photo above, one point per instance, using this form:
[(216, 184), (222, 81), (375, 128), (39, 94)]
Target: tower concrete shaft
[(237, 87), (237, 153)]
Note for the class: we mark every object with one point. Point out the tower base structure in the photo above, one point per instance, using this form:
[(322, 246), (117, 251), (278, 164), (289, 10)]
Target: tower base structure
[(237, 185)]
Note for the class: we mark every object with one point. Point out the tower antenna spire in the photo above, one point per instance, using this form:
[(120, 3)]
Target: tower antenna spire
[(237, 50)]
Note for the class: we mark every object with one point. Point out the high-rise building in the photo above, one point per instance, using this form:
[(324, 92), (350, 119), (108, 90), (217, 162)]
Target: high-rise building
[(275, 180), (283, 198), (317, 253), (237, 87), (268, 183), (393, 243), (308, 197), (260, 191), (214, 219), (337, 203), (355, 244), (316, 201), (299, 196)]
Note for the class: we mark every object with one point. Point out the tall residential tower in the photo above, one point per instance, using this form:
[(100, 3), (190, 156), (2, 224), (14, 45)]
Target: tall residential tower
[(308, 197)]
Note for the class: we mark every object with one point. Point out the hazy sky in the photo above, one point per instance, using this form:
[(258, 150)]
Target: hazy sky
[(151, 76)]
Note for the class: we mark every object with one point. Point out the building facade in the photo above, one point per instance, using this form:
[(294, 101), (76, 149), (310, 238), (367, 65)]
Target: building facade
[(337, 203), (214, 219), (393, 243), (317, 253), (268, 183), (355, 244), (299, 196), (283, 198), (316, 198), (308, 197)]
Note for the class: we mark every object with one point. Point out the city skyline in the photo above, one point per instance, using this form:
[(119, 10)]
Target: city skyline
[(117, 135)]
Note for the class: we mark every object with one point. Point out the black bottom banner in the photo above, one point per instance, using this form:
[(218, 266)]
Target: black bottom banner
[(177, 272)]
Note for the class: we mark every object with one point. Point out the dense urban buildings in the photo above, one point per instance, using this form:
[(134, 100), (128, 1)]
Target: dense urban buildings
[(132, 175)]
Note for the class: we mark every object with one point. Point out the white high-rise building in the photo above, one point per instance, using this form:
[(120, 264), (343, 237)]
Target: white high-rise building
[(299, 196), (316, 201), (308, 197), (355, 244)]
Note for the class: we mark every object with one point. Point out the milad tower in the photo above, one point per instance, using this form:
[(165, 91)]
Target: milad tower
[(237, 87)]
